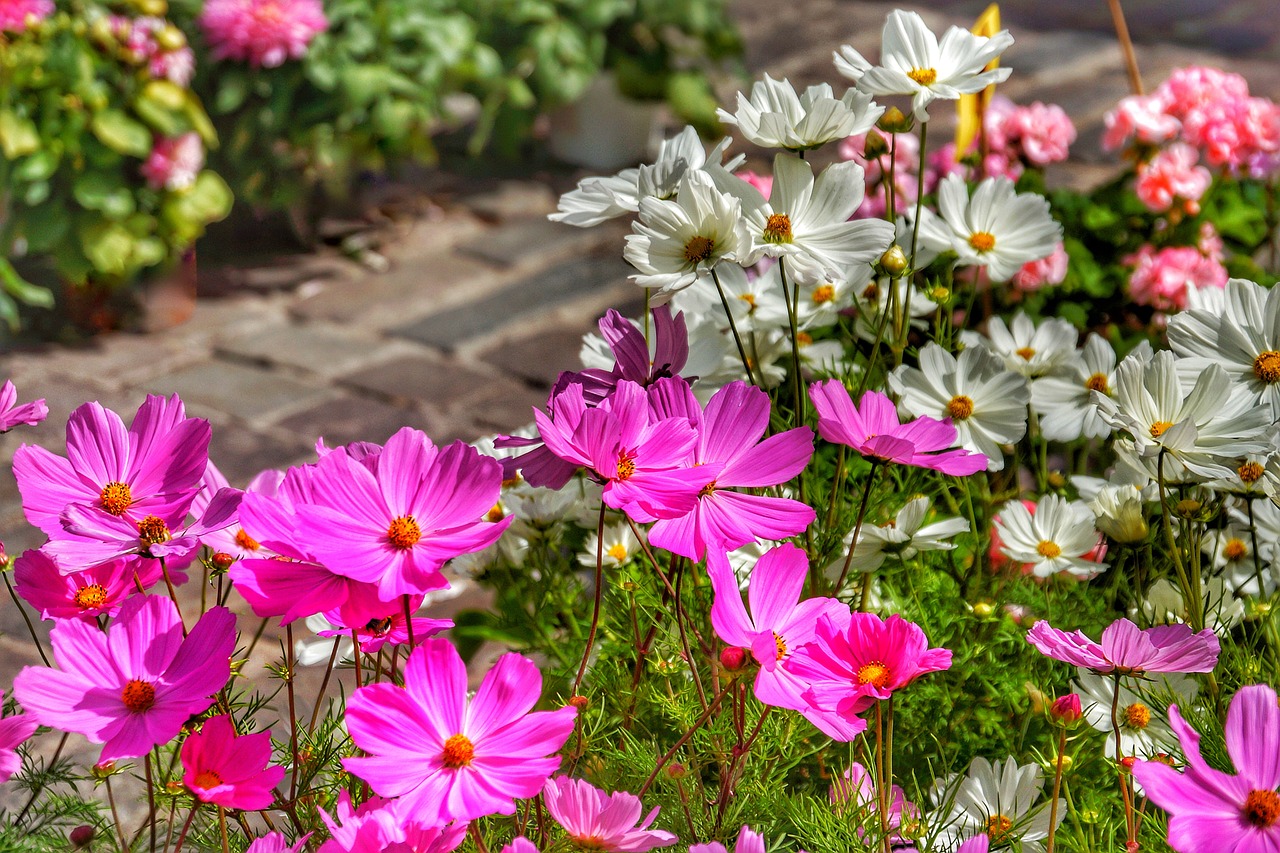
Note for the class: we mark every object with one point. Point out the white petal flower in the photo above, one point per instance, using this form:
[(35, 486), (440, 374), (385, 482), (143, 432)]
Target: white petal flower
[(620, 546), (1064, 401), (1053, 539), (905, 536), (1139, 712), (999, 799), (912, 62), (1119, 511), (873, 300), (1164, 605), (774, 116), (1029, 349)]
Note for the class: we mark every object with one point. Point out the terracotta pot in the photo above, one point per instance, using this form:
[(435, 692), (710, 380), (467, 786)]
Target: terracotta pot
[(167, 298), (603, 130)]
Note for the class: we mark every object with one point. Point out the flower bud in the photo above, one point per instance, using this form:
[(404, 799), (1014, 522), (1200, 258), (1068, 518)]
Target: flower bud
[(983, 609), (1039, 701), (893, 121), (733, 658), (222, 561), (1066, 709), (82, 835), (894, 261), (4, 559), (874, 146), (676, 770), (102, 770), (1126, 763), (580, 702)]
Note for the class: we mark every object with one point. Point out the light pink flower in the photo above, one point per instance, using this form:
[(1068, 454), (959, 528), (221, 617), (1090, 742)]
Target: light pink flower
[(174, 162), (261, 32), (447, 758), (1128, 649), (230, 770), (12, 414), (134, 685), (14, 14), (383, 826), (599, 821), (520, 844), (1042, 273), (1141, 117), (1173, 174), (749, 841), (1162, 279), (1043, 132), (14, 731)]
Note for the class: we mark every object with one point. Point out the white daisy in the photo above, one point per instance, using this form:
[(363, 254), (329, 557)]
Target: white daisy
[(1243, 578), (620, 546), (987, 403), (1029, 349), (998, 228), (774, 116), (1119, 511), (1065, 403), (1053, 539), (1165, 605), (1140, 713), (912, 62), (998, 799), (1256, 475), (905, 536), (873, 300), (755, 300)]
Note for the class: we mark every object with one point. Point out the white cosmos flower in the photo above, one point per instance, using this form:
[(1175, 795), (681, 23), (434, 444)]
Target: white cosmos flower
[(806, 221), (987, 403), (1064, 401), (1256, 475), (912, 62), (1140, 713), (1054, 539), (597, 199), (620, 546), (1164, 604), (1119, 511), (905, 536), (756, 301), (677, 242), (999, 799), (1204, 429), (774, 116), (998, 228), (1029, 349), (1243, 578), (873, 301)]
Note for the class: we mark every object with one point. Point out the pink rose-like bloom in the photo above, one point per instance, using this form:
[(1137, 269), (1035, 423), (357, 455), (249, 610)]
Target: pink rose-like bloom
[(1141, 117), (1042, 273), (447, 758), (174, 162), (134, 685), (763, 183), (1211, 811), (1128, 649), (382, 826), (14, 731), (12, 414), (600, 821), (263, 33), (14, 14), (230, 770), (749, 841), (1162, 279), (872, 428), (88, 594), (1174, 173), (275, 842), (1043, 132)]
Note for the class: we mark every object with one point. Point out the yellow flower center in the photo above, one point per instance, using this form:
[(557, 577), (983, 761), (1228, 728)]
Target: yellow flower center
[(1234, 549), (626, 465), (1267, 366), (116, 498), (90, 597), (617, 552), (1250, 472), (804, 338), (923, 76), (1159, 428), (245, 541), (982, 241), (750, 299), (138, 696), (874, 673), (1048, 549), (698, 249), (998, 828), (496, 513), (708, 490), (782, 645), (1098, 382), (458, 752), (152, 530), (1137, 717), (778, 228), (404, 532), (1026, 353), (1262, 808), (207, 779), (822, 294), (960, 407)]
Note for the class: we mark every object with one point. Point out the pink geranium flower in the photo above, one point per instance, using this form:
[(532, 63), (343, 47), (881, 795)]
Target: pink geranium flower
[(134, 685), (731, 435), (230, 770), (1163, 278), (275, 842), (595, 820), (1211, 811), (86, 594), (749, 841), (262, 32), (14, 731), (1128, 649), (15, 14), (12, 414), (447, 758), (383, 826), (174, 162), (1141, 117), (1173, 174), (1043, 272), (873, 429)]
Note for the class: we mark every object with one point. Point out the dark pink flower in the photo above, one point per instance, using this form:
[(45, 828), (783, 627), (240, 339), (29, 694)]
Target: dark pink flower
[(261, 32), (383, 826), (12, 414), (1043, 272), (230, 770), (233, 539), (134, 685), (275, 842), (14, 731), (15, 14), (390, 628), (174, 162), (1067, 709), (85, 594), (632, 359), (1163, 278), (1128, 649), (446, 758), (595, 820)]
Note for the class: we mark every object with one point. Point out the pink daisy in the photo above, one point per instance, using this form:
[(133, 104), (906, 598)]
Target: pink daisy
[(261, 32), (86, 594), (134, 685), (14, 731), (275, 842), (1129, 649), (595, 820), (447, 758), (12, 414), (231, 771), (383, 826), (749, 841)]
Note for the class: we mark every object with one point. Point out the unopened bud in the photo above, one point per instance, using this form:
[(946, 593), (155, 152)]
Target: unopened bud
[(103, 769), (894, 261), (580, 702), (1066, 709), (222, 561), (82, 835), (1126, 763), (733, 658), (983, 609), (1038, 700), (893, 121), (676, 771), (4, 558), (874, 146), (1188, 507)]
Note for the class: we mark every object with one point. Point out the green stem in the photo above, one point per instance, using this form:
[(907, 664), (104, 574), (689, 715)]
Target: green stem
[(733, 327)]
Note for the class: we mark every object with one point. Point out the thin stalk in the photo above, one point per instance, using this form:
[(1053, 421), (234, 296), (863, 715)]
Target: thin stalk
[(173, 594), (115, 816), (355, 653), (882, 792), (793, 309), (1257, 558), (328, 671), (186, 825), (293, 713), (151, 799), (31, 629), (257, 635), (1120, 769), (701, 721), (1057, 789), (905, 329), (857, 529), (37, 788), (1126, 46), (408, 620), (733, 327), (1183, 580), (222, 829), (595, 610)]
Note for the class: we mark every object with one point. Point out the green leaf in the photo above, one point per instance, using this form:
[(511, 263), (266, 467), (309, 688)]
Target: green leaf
[(44, 227), (233, 88), (40, 166), (97, 191), (18, 135), (121, 133), (108, 246), (23, 290), (188, 212)]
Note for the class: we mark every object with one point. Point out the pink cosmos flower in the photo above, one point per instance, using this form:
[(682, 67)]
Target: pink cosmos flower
[(856, 788), (980, 843), (1173, 174), (275, 842), (86, 594), (1162, 279), (447, 758), (1043, 272), (230, 770), (14, 731), (387, 629), (174, 162), (731, 435), (520, 844), (14, 14), (134, 685), (873, 430), (595, 820), (632, 359), (12, 414), (857, 659), (383, 826), (1141, 117), (1211, 811), (263, 33), (232, 539), (1128, 649), (749, 841), (394, 520)]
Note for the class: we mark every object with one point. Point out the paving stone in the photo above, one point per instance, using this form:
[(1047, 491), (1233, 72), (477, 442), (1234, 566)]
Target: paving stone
[(512, 200), (538, 359), (505, 406), (240, 452), (347, 418), (314, 349), (250, 393), (532, 241), (421, 379)]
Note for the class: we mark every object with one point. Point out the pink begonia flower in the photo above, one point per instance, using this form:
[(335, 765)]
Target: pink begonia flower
[(1211, 811), (152, 469), (396, 520), (140, 39), (856, 787), (1043, 132), (447, 758), (731, 435), (856, 659), (1173, 174), (275, 842), (12, 414), (15, 14), (87, 594), (263, 33), (999, 162), (872, 428), (1128, 649), (1141, 117), (233, 539), (749, 841), (778, 623), (1043, 272), (134, 685), (389, 628), (14, 731), (595, 820), (1162, 279), (230, 770), (384, 826), (174, 162)]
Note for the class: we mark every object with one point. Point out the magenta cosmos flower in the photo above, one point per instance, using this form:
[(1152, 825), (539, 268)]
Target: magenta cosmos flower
[(1128, 649), (595, 820), (275, 842), (632, 359), (384, 826), (388, 628), (1211, 811), (261, 32), (14, 731), (230, 770), (872, 428), (86, 594), (730, 434), (446, 758), (749, 841), (12, 414), (856, 659), (395, 519), (134, 685)]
